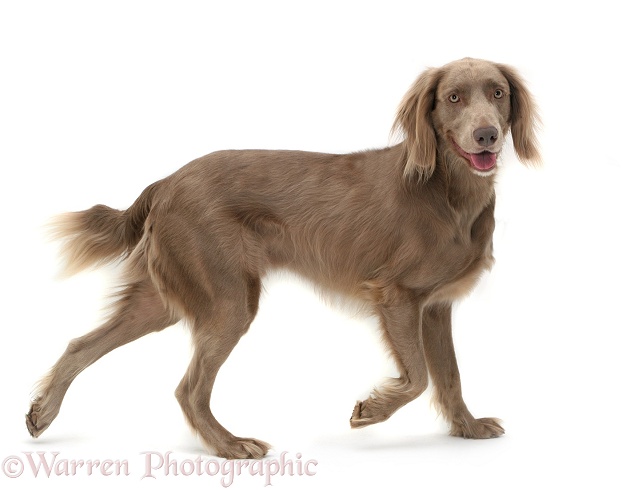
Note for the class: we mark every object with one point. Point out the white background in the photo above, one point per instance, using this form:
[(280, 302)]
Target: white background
[(98, 100)]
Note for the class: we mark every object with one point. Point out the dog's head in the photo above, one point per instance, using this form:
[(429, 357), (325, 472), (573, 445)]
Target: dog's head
[(466, 108)]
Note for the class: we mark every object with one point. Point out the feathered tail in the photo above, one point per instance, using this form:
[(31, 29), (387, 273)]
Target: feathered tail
[(101, 234)]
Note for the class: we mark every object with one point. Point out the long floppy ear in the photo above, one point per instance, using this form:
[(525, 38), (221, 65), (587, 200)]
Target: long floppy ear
[(414, 121), (524, 117)]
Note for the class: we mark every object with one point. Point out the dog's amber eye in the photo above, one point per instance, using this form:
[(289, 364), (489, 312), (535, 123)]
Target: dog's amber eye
[(454, 98), (498, 94)]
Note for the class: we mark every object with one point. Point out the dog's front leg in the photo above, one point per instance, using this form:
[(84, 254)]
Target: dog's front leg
[(400, 320), (444, 371)]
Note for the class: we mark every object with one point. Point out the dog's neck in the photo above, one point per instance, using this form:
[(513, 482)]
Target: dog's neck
[(463, 188), (465, 194)]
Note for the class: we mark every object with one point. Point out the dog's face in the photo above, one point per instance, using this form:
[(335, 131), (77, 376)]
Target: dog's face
[(472, 111), (465, 109)]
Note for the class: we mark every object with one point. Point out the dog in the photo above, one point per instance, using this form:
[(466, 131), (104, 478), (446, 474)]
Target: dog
[(404, 230)]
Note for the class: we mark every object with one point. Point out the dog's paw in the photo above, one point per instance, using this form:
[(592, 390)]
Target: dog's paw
[(486, 428), (34, 420), (367, 413), (240, 448), (41, 414), (358, 420)]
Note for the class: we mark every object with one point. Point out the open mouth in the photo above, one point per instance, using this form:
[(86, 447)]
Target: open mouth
[(483, 161)]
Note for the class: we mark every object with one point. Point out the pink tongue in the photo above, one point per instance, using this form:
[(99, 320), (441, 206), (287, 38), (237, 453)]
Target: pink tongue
[(483, 161)]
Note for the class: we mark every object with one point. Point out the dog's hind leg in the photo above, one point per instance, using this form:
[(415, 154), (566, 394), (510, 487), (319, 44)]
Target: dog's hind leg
[(442, 365), (215, 336), (138, 311)]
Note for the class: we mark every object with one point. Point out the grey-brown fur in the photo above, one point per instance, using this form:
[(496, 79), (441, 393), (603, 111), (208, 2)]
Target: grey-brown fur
[(405, 230)]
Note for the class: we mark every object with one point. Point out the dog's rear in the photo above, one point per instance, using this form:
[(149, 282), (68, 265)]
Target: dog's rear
[(406, 230), (91, 238)]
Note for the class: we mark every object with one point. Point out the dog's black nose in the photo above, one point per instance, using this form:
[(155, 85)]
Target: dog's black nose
[(486, 136)]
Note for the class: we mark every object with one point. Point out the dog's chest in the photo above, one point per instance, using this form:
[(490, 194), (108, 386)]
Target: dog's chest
[(449, 266)]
